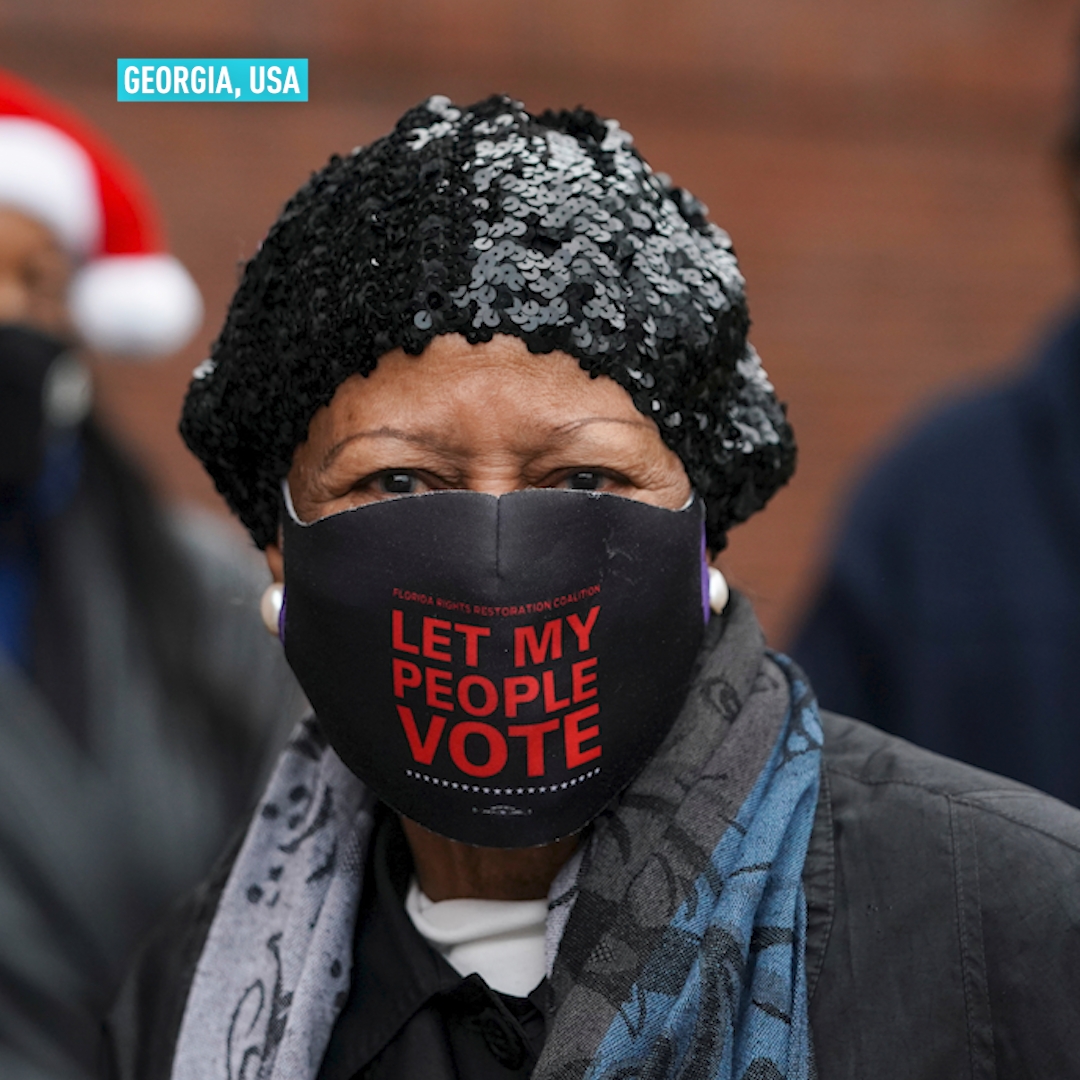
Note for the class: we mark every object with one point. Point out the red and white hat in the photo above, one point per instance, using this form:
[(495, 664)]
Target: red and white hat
[(128, 295)]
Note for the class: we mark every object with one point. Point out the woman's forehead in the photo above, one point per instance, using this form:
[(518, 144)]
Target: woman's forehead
[(496, 387)]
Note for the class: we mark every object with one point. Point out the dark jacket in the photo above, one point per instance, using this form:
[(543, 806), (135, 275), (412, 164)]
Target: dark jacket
[(950, 611), (944, 927)]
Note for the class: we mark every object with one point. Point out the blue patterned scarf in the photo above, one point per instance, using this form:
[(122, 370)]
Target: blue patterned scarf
[(685, 953), (676, 942)]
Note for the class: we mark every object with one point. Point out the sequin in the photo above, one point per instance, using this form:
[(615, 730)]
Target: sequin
[(480, 220)]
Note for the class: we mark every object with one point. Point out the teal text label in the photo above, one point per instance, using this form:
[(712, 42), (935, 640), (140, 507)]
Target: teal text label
[(147, 79)]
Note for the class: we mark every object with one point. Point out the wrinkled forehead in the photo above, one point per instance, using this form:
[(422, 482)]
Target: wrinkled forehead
[(498, 384)]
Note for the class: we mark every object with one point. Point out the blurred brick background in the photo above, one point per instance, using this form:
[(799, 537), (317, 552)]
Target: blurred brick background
[(885, 169)]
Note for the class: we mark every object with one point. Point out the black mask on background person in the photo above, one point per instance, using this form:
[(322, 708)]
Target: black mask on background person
[(496, 668), (44, 392)]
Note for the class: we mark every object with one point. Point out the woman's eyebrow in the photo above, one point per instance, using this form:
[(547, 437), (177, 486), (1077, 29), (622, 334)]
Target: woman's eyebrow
[(565, 431), (557, 437), (417, 438)]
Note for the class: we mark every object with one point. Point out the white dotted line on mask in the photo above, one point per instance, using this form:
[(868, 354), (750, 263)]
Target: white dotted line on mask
[(480, 789)]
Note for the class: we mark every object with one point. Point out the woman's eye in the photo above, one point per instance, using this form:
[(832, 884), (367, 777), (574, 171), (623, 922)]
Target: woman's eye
[(391, 483), (585, 480), (398, 483)]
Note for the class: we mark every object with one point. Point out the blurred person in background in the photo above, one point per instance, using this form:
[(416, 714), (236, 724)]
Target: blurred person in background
[(138, 692), (949, 613)]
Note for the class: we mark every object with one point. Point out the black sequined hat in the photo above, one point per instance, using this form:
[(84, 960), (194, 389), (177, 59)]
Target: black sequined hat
[(486, 220)]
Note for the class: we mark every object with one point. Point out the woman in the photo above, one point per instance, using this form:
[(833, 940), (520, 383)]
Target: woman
[(559, 812)]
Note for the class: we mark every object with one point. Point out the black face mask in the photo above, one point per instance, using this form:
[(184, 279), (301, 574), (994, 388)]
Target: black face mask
[(43, 390), (497, 669)]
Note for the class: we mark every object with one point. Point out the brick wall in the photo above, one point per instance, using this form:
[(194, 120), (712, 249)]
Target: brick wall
[(885, 171)]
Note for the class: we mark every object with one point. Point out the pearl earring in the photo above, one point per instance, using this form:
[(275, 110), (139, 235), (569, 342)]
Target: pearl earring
[(270, 606), (719, 593)]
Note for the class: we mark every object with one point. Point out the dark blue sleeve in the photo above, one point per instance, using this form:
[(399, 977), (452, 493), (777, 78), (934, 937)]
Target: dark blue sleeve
[(949, 612)]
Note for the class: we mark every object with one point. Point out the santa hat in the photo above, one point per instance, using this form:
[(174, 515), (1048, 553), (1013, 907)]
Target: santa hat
[(129, 295)]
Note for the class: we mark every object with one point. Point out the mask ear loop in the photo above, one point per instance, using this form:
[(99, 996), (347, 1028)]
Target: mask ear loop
[(714, 586)]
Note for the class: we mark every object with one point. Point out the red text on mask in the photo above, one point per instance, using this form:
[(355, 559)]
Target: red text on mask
[(550, 685)]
